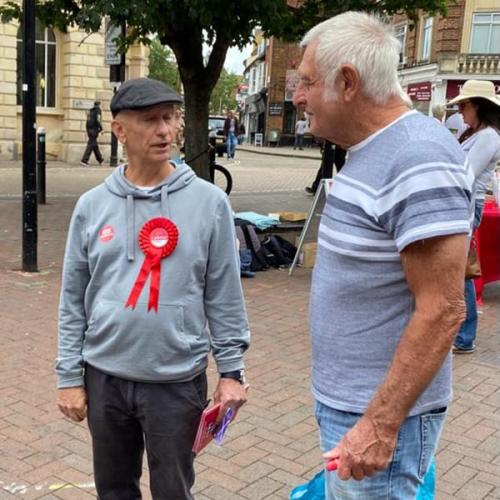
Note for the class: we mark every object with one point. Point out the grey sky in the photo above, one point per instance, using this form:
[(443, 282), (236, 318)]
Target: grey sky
[(235, 58)]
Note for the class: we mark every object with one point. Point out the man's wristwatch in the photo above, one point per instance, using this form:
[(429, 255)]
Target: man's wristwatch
[(238, 375)]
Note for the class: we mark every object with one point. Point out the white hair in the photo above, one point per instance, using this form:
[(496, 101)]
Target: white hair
[(438, 111), (366, 42)]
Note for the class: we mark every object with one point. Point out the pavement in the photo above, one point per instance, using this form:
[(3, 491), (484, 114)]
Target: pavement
[(273, 445)]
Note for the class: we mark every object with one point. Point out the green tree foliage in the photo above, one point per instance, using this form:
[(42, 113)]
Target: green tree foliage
[(186, 25), (224, 93), (162, 65)]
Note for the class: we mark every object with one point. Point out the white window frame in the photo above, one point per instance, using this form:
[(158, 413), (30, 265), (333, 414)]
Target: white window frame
[(46, 43), (262, 80), (400, 32), (489, 23), (253, 80), (427, 26)]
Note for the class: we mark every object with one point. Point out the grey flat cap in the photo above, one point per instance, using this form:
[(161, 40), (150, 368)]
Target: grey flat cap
[(141, 93)]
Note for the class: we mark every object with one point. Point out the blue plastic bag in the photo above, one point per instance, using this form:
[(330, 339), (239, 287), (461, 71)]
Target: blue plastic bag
[(426, 491), (313, 490)]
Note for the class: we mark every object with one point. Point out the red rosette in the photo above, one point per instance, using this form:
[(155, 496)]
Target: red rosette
[(157, 239)]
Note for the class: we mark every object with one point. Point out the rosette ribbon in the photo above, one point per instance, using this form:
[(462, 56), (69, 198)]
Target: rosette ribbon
[(157, 239)]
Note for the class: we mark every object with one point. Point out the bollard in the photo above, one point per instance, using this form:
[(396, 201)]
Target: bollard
[(41, 165)]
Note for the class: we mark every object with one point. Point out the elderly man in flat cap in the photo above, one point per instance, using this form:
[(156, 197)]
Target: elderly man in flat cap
[(150, 286)]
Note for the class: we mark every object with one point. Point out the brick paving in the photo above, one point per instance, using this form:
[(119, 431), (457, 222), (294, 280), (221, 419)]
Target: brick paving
[(273, 445)]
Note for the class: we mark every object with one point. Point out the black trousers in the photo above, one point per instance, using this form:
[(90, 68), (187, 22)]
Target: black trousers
[(127, 417), (331, 154), (92, 146)]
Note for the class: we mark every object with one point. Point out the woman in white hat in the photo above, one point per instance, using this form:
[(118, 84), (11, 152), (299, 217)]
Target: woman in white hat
[(480, 108)]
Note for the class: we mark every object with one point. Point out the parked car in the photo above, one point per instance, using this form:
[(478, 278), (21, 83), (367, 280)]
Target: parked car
[(216, 133)]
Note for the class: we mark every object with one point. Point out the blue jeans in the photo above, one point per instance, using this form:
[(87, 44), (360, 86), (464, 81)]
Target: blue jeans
[(416, 444), (467, 333), (231, 142)]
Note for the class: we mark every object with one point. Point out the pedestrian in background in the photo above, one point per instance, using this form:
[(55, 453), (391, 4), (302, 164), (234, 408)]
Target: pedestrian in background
[(387, 287), (231, 131), (480, 108), (438, 112), (241, 134), (133, 359), (455, 124), (300, 130), (331, 155), (178, 144), (94, 128)]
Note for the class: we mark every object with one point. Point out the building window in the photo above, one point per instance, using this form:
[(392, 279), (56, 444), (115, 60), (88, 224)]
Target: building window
[(290, 115), (400, 34), (426, 38), (485, 37), (253, 81), (45, 63), (262, 82)]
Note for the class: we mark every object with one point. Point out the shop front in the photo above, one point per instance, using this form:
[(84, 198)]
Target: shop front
[(254, 115), (453, 88)]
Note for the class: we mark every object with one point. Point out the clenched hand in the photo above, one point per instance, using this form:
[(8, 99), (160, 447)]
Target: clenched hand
[(365, 449), (72, 401), (231, 394)]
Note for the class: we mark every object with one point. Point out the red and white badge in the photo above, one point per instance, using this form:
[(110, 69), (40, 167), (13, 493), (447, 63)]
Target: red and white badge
[(157, 239), (107, 233)]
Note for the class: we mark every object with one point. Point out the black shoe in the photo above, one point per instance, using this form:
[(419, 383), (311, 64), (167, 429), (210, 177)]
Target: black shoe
[(463, 350), (310, 190)]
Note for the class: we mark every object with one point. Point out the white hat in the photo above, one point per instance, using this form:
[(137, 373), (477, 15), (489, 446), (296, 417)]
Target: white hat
[(477, 88)]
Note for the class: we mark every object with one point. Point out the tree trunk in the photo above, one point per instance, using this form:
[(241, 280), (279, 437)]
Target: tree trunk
[(199, 80), (196, 100)]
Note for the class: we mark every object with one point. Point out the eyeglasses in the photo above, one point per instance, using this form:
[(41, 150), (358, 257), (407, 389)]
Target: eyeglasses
[(462, 104), (305, 84)]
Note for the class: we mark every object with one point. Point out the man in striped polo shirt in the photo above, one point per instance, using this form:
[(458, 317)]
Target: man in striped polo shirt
[(387, 289)]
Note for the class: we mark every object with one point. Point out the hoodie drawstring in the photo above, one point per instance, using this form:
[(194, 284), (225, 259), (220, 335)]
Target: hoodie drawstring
[(130, 228), (165, 209)]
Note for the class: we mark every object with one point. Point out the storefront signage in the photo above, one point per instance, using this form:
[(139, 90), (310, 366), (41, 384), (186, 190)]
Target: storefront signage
[(111, 54), (453, 88), (420, 91), (82, 103), (291, 82), (275, 109)]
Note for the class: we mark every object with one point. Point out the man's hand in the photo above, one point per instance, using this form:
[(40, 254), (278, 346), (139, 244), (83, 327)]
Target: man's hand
[(365, 449), (72, 401), (231, 394)]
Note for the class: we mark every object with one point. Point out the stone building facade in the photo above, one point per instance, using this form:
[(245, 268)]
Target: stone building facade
[(70, 76), (440, 53), (271, 73)]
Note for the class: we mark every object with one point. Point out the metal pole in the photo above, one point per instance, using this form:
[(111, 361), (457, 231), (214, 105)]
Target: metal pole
[(113, 157), (41, 166), (116, 74), (30, 213)]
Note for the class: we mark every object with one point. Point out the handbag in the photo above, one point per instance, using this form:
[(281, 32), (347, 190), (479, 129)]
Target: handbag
[(472, 268)]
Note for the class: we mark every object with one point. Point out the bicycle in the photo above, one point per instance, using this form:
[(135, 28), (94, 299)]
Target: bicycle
[(219, 175)]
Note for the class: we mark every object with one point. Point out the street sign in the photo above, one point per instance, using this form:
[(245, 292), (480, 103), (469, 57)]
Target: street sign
[(111, 55), (275, 109)]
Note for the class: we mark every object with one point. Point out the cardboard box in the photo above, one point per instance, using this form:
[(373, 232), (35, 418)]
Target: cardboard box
[(308, 254), (291, 216)]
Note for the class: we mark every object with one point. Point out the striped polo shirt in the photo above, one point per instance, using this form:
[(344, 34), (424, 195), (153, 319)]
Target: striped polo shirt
[(407, 182)]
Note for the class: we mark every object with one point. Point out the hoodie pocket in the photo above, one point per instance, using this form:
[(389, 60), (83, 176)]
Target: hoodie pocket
[(146, 338)]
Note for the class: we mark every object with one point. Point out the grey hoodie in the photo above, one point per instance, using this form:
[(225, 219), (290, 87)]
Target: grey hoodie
[(201, 306)]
